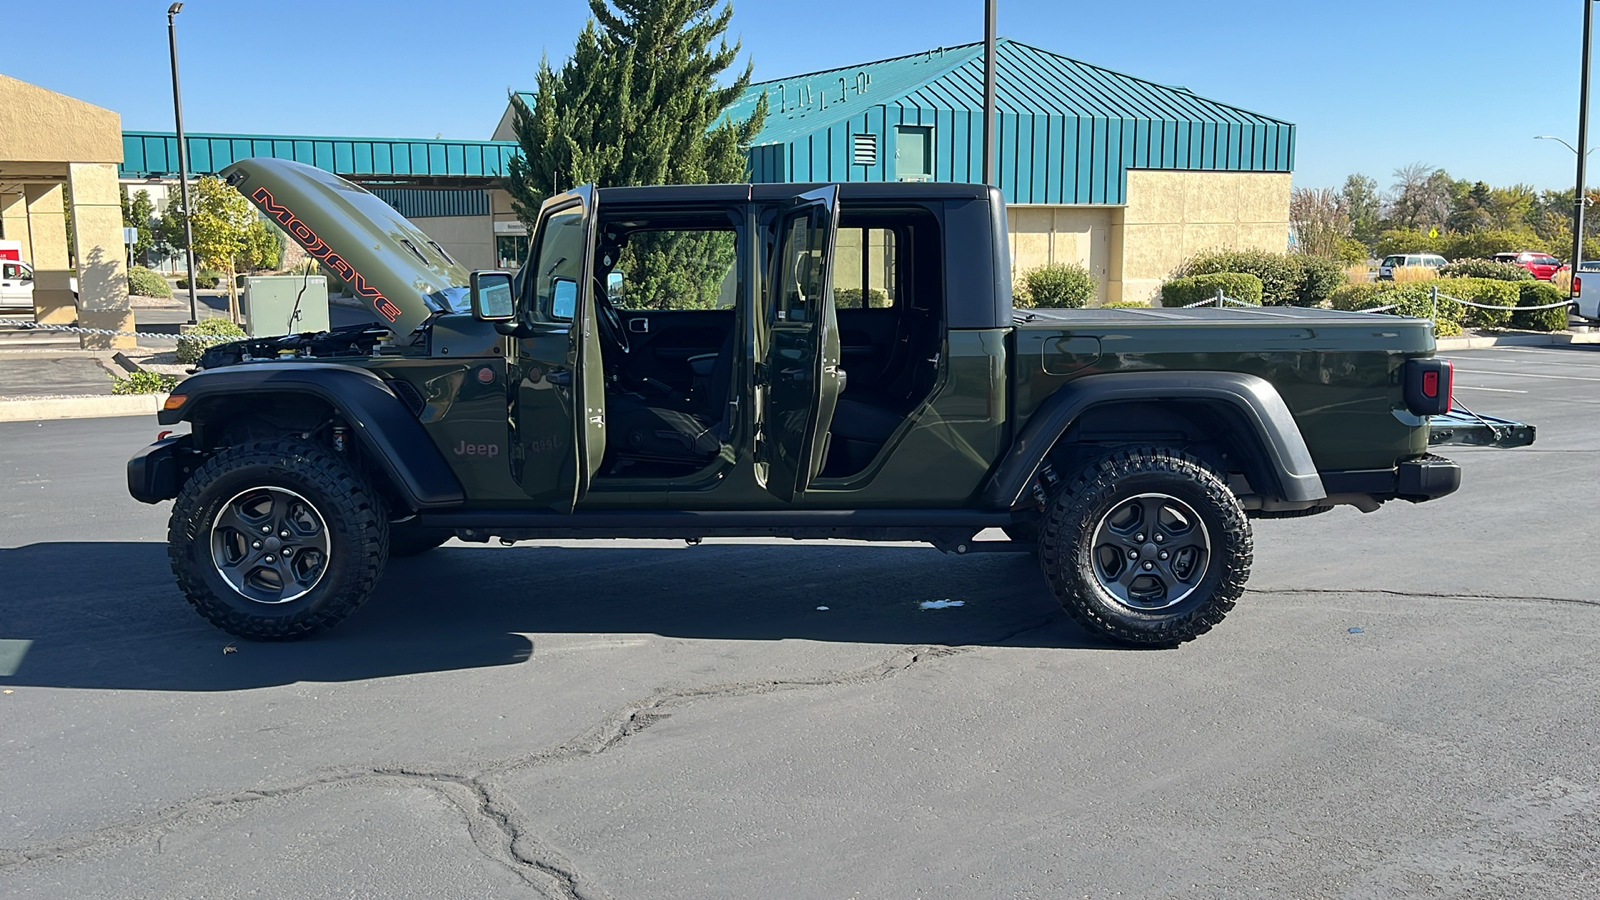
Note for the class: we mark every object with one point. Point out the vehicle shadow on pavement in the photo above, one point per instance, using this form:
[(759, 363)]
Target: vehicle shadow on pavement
[(107, 615)]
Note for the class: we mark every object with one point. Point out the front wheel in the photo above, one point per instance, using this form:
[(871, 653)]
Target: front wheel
[(1146, 547), (276, 540)]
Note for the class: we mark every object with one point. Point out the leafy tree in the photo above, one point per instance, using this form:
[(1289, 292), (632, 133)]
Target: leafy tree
[(139, 213), (1421, 197), (1365, 207), (1320, 219), (225, 228)]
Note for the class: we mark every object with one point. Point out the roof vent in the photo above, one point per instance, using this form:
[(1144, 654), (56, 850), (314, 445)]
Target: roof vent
[(864, 149)]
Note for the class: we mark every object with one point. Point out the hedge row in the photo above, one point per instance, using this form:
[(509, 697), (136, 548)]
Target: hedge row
[(1410, 299), (1540, 293), (1287, 279), (1198, 288), (1485, 268)]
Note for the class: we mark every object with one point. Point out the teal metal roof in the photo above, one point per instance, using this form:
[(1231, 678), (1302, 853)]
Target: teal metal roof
[(368, 160), (1067, 131)]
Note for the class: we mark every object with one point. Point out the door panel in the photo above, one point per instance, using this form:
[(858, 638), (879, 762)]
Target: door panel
[(662, 341), (801, 360), (557, 410)]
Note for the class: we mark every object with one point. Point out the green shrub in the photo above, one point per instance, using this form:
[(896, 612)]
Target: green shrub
[(144, 383), (1319, 278), (1198, 288), (1287, 279), (1486, 242), (1485, 268), (203, 335), (1057, 286), (204, 278), (1125, 304), (1482, 290), (1406, 240), (144, 283), (850, 298), (1279, 272), (1539, 293), (1409, 300)]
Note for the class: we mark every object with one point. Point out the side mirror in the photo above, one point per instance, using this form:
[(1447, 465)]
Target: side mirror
[(564, 298), (492, 298)]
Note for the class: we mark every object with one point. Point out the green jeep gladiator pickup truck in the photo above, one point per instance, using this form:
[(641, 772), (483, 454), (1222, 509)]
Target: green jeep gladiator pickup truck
[(807, 362)]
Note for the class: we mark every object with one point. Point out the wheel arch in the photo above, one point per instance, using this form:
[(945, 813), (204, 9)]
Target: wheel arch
[(1242, 412), (387, 433)]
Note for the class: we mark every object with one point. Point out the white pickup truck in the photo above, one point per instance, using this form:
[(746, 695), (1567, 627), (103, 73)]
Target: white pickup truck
[(1588, 302), (16, 286)]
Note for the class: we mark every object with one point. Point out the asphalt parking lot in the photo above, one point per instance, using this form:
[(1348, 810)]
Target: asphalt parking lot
[(1403, 704)]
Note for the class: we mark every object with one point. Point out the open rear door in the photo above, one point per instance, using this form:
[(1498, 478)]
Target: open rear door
[(802, 379), (557, 402)]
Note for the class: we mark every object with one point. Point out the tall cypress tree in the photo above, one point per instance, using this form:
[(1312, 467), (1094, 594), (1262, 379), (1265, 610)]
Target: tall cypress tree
[(638, 103)]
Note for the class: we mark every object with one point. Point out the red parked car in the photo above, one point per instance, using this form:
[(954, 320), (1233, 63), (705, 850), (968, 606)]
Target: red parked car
[(1542, 265)]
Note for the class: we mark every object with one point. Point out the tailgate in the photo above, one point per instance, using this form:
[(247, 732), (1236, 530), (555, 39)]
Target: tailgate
[(1467, 428)]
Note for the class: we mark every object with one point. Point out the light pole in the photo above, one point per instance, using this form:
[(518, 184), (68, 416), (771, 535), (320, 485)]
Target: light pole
[(1582, 150), (183, 162), (988, 91)]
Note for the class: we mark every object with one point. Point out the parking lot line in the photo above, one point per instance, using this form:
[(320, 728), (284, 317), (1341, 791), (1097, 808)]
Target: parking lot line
[(1474, 387), (1460, 371)]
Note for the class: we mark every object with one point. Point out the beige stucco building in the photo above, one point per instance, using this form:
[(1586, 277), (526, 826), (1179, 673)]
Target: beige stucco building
[(1169, 215), (58, 154)]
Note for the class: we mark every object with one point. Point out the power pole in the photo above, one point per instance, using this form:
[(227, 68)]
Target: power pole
[(988, 90)]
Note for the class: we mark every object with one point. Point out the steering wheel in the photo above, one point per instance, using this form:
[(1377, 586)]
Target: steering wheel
[(610, 320)]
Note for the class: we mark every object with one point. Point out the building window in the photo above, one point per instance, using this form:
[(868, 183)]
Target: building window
[(864, 149), (511, 249), (913, 153)]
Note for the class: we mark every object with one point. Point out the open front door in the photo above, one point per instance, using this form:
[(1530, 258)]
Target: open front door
[(557, 402), (802, 379)]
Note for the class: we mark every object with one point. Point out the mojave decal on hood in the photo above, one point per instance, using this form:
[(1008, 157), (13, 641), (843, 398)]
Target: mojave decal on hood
[(391, 265)]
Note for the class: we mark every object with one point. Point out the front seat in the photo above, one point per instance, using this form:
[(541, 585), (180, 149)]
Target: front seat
[(655, 428)]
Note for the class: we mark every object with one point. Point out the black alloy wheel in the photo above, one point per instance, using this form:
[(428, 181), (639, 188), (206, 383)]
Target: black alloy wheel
[(1146, 547)]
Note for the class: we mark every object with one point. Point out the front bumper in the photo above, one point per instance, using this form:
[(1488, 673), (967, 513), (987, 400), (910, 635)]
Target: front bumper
[(158, 471), (1424, 478)]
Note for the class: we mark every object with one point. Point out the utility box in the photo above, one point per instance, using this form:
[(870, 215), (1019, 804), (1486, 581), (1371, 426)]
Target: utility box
[(274, 305)]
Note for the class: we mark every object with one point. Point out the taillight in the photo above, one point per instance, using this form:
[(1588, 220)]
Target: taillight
[(1428, 384), (1577, 285)]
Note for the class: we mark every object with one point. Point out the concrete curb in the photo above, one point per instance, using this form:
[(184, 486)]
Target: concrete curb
[(42, 408), (1557, 339)]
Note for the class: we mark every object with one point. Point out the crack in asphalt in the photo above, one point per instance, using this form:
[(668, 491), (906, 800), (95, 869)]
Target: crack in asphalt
[(1429, 595), (497, 828)]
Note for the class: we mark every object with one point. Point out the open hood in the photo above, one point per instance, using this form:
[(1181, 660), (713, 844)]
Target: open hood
[(403, 275)]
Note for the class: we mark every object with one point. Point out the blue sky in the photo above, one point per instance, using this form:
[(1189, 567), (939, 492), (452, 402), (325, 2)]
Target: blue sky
[(1371, 85)]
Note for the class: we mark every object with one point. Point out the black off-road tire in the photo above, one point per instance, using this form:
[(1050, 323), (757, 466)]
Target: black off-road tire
[(354, 526), (406, 539), (1067, 551)]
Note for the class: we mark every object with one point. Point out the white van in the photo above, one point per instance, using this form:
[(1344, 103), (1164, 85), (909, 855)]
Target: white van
[(1403, 260)]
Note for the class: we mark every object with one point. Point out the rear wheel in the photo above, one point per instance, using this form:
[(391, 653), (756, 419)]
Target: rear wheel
[(276, 540), (1146, 547)]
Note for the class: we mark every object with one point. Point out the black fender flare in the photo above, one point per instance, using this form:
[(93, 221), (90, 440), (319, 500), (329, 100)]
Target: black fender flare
[(1252, 396), (379, 420)]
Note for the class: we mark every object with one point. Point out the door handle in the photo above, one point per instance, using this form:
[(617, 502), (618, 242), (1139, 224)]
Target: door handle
[(639, 325)]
